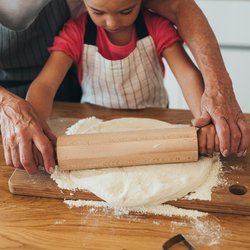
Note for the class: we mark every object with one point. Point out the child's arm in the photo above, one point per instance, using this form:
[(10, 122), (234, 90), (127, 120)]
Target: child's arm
[(191, 83), (208, 140), (187, 75), (43, 89)]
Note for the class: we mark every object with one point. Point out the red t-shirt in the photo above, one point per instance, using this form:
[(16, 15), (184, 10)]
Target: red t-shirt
[(71, 39)]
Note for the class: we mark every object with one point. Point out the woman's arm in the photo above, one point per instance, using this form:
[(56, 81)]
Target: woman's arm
[(43, 89), (197, 34), (218, 102)]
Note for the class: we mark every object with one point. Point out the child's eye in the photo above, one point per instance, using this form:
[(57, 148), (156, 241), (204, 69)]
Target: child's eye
[(97, 13), (126, 12)]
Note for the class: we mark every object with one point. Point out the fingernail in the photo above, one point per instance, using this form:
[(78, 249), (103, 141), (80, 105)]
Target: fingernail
[(240, 154), (51, 170), (245, 153), (225, 153)]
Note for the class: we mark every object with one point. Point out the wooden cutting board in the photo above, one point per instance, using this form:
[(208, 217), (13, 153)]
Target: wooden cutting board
[(232, 197)]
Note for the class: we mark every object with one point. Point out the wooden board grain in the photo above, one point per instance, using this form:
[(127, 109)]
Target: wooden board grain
[(42, 185)]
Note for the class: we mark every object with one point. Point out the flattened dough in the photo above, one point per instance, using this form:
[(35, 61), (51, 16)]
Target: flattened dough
[(139, 185)]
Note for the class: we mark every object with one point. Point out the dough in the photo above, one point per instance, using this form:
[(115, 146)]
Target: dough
[(134, 186)]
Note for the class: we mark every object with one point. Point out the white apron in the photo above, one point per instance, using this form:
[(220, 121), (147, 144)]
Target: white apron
[(134, 82)]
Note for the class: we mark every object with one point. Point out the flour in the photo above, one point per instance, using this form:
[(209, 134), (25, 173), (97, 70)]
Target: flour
[(204, 191), (203, 230), (140, 186), (206, 232), (59, 222), (164, 210)]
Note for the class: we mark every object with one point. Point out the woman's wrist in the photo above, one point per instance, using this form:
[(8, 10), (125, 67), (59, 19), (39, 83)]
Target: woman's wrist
[(220, 85), (5, 96)]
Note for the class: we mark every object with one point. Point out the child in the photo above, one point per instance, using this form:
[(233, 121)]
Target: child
[(119, 62)]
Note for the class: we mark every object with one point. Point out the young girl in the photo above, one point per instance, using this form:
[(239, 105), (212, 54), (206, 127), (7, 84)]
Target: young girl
[(118, 49)]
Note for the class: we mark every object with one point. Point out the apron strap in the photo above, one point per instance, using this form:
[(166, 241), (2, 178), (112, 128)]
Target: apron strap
[(140, 26), (91, 30)]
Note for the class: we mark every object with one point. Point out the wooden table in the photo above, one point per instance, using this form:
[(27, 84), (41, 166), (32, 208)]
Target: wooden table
[(43, 223)]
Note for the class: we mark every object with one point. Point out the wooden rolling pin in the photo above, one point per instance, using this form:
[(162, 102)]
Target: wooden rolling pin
[(119, 149)]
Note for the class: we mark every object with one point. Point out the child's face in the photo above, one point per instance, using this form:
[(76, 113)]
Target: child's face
[(113, 15)]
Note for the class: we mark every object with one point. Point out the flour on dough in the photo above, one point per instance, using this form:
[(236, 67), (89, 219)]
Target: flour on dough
[(134, 186)]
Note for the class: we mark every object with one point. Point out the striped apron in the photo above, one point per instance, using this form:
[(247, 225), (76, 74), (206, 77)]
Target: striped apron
[(135, 82)]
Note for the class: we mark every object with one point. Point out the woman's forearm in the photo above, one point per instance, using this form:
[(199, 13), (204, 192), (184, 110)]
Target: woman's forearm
[(3, 95), (198, 35)]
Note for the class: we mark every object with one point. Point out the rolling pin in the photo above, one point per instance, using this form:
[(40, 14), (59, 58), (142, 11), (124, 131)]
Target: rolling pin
[(129, 148)]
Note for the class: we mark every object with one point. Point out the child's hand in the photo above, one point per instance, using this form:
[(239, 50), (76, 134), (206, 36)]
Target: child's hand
[(208, 140)]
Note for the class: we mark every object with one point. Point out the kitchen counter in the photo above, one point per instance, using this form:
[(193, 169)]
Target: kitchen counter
[(46, 223)]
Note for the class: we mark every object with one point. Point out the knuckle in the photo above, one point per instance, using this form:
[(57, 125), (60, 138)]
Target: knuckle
[(224, 131), (11, 139), (236, 136), (14, 147), (22, 133), (224, 128)]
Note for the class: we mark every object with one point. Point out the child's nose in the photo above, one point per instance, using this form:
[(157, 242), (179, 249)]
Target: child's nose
[(112, 23)]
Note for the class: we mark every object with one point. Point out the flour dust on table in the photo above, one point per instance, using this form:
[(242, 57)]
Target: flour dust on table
[(139, 185)]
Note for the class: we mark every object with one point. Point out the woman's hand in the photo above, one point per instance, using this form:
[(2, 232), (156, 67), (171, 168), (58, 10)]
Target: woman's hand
[(221, 108), (22, 130)]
